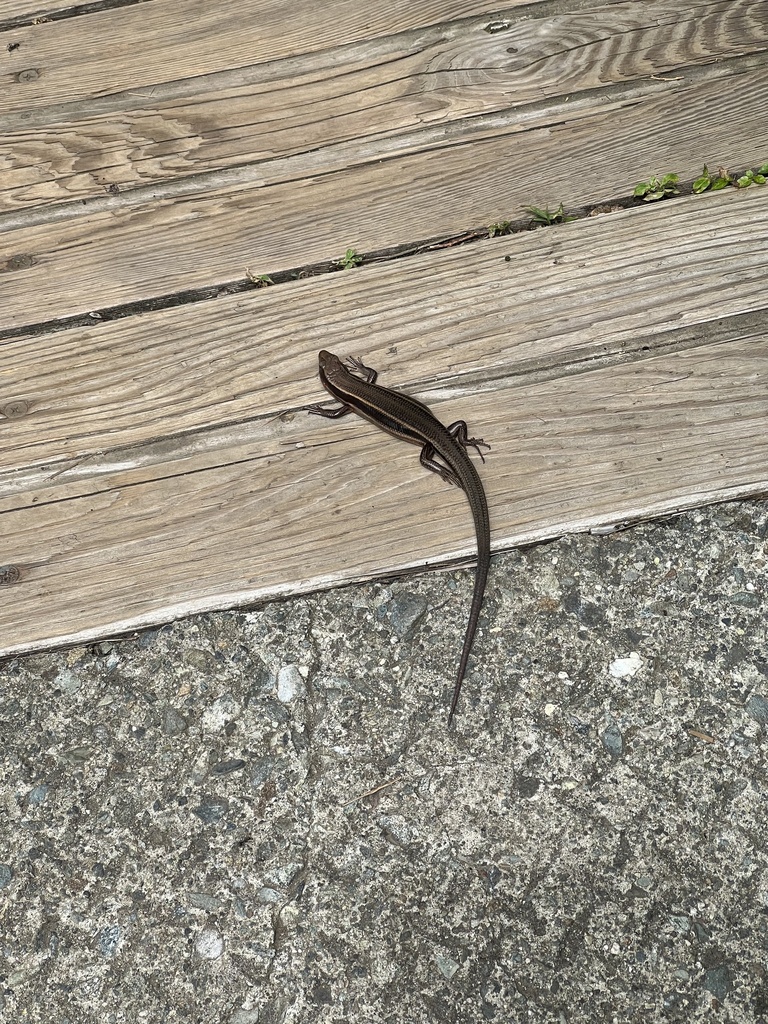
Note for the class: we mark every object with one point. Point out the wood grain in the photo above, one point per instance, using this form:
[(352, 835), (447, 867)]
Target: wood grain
[(159, 463), (618, 443), (534, 302), (130, 252), (143, 45), (251, 499), (346, 103)]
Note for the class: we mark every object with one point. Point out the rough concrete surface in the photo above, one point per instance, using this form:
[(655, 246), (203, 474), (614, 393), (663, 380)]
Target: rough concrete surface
[(261, 817)]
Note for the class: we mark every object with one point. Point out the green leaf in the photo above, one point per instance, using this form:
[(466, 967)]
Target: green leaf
[(641, 188), (669, 179), (763, 169), (649, 197), (260, 280), (719, 183), (546, 216), (744, 180), (349, 260), (759, 179), (702, 184)]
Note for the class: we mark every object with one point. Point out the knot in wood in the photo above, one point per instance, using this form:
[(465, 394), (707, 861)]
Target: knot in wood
[(22, 261), (9, 574), (14, 410)]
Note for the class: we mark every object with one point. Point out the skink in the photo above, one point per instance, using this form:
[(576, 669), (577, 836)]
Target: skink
[(354, 385)]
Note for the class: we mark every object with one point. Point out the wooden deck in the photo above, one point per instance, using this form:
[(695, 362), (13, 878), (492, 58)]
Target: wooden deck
[(154, 460)]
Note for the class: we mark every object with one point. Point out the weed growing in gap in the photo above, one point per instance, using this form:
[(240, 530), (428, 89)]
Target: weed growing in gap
[(656, 188), (714, 182), (260, 280), (350, 259), (546, 216)]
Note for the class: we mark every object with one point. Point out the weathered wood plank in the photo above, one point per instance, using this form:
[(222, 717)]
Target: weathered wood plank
[(126, 253), (617, 443), (362, 94), (145, 45), (539, 302)]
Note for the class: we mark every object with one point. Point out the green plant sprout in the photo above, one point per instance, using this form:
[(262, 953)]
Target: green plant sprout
[(714, 182), (499, 228), (260, 280), (546, 216), (350, 259), (750, 177), (656, 188)]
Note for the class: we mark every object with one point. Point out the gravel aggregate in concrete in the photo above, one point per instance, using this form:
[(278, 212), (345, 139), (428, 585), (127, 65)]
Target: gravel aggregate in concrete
[(261, 818)]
